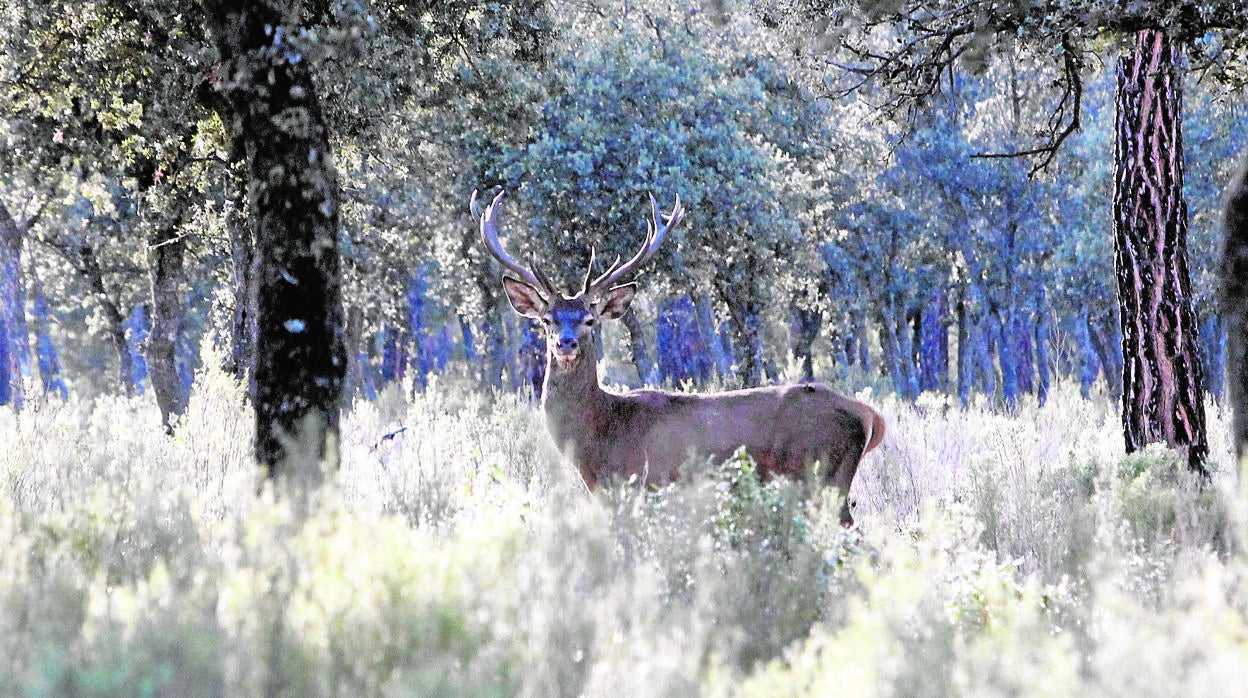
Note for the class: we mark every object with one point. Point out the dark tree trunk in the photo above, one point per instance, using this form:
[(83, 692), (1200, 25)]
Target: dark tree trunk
[(49, 361), (744, 323), (1162, 398), (903, 335), (711, 337), (1089, 363), (897, 350), (679, 347), (1021, 332), (275, 116), (15, 349), (1107, 343), (933, 344), (494, 361), (965, 354), (417, 298), (532, 359), (1002, 324), (357, 359), (974, 346), (166, 273), (805, 330), (1213, 354), (243, 322), (468, 340), (1233, 298), (1042, 332), (637, 347), (115, 322)]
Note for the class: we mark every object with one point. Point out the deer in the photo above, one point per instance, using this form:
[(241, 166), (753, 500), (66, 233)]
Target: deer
[(647, 435)]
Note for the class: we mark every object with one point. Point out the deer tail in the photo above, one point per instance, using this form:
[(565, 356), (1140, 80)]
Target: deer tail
[(875, 432)]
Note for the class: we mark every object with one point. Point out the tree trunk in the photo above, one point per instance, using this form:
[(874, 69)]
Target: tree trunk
[(711, 338), (275, 115), (417, 297), (15, 349), (744, 322), (1108, 352), (1213, 354), (1233, 298), (1002, 324), (115, 322), (243, 322), (49, 361), (1041, 337), (165, 269), (532, 359), (1162, 382), (357, 358), (933, 343), (637, 345), (806, 322), (1089, 363)]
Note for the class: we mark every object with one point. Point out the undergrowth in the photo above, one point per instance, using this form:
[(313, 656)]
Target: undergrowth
[(453, 553)]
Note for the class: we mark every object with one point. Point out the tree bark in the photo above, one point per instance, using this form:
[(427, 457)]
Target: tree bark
[(1233, 298), (166, 272), (115, 322), (745, 327), (1162, 379), (804, 330), (49, 361), (15, 352), (275, 115), (243, 321)]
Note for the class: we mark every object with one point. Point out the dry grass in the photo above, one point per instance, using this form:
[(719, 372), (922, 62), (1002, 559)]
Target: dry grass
[(996, 555)]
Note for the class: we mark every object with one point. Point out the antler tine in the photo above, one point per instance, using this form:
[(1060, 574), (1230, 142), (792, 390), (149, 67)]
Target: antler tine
[(489, 233), (589, 270), (656, 231)]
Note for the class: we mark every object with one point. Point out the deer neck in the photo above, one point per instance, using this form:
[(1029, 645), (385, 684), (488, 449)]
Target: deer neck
[(573, 400)]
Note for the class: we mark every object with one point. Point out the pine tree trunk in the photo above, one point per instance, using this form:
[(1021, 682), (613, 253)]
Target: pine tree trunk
[(1234, 306), (1162, 381), (276, 117)]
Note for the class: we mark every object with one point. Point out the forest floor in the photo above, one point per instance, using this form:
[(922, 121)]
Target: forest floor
[(995, 554)]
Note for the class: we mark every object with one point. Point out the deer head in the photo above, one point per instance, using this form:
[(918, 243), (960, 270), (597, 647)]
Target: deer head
[(569, 320)]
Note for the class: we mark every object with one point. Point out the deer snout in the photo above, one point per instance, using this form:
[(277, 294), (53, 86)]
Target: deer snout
[(567, 345)]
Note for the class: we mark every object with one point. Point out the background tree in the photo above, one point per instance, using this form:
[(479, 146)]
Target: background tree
[(655, 106), (1234, 301), (906, 51)]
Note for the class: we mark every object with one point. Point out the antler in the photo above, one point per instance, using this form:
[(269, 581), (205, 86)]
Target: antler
[(656, 230), (489, 232)]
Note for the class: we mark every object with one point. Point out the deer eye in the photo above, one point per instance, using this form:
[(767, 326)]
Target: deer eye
[(589, 322), (547, 321)]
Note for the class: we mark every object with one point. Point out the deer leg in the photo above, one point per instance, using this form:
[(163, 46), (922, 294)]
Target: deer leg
[(841, 470)]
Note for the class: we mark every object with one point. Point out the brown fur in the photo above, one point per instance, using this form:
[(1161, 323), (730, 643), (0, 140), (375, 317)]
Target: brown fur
[(647, 435)]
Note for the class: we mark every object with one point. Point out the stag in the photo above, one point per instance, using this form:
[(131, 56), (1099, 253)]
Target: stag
[(647, 435)]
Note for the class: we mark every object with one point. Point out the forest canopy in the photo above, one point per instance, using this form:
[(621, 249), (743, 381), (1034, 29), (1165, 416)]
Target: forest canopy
[(828, 235)]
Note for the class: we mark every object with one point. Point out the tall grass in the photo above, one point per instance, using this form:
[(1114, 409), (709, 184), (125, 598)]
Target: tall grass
[(1019, 554)]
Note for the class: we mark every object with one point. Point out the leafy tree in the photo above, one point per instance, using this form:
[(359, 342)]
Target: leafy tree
[(657, 105), (905, 51)]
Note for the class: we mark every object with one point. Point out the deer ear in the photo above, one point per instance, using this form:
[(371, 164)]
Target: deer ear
[(616, 301), (524, 298)]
